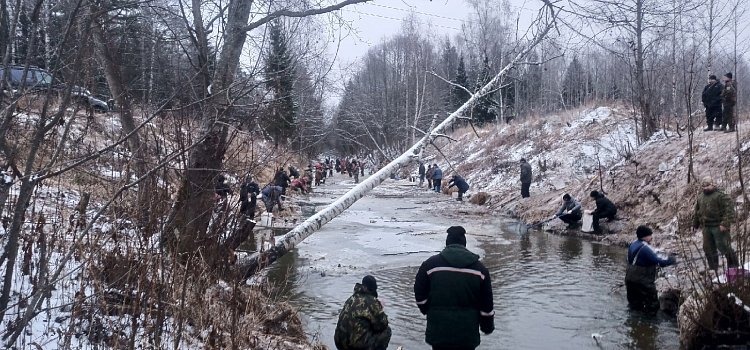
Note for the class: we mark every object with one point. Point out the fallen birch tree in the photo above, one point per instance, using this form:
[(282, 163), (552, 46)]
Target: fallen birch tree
[(545, 22)]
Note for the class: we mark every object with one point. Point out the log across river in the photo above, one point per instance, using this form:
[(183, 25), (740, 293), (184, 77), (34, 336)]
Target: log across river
[(550, 292)]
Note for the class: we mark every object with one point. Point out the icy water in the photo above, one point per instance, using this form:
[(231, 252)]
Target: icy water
[(550, 292)]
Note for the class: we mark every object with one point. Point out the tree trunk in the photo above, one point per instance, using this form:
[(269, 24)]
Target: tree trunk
[(108, 57), (191, 212)]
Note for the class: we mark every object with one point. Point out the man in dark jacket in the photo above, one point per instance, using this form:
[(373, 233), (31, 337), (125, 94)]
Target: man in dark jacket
[(728, 99), (437, 177), (272, 195), (293, 172), (248, 197), (454, 290), (363, 325), (525, 178), (641, 273), (714, 210), (422, 172), (712, 101), (222, 188), (604, 209), (570, 211), (282, 180), (459, 182)]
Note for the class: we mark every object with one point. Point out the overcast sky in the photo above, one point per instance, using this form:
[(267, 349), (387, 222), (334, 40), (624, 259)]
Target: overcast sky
[(375, 20)]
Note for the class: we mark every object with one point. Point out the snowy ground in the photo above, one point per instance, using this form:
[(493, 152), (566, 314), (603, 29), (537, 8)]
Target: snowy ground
[(566, 152)]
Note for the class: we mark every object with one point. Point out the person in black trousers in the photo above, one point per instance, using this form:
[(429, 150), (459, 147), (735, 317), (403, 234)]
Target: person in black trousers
[(525, 178), (604, 209)]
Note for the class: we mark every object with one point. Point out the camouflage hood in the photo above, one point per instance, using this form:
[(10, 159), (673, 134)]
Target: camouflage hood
[(360, 289)]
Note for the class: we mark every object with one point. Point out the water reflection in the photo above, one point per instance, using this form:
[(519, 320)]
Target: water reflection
[(570, 248), (642, 329), (550, 293)]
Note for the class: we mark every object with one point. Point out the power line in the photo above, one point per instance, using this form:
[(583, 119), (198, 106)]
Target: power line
[(399, 19), (411, 10)]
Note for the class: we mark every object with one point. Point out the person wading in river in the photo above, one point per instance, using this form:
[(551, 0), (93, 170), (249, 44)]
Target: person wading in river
[(454, 290), (428, 176), (641, 272), (363, 325), (437, 178)]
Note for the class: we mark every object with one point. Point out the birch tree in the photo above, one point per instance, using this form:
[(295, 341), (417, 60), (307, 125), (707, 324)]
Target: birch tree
[(544, 23)]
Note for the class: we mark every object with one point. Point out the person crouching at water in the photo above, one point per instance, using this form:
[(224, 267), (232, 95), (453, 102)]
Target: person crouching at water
[(363, 325), (570, 211), (640, 276)]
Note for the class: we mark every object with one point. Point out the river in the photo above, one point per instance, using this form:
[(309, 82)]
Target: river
[(550, 292)]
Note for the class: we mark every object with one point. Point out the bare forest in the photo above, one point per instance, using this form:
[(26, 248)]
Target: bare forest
[(118, 116)]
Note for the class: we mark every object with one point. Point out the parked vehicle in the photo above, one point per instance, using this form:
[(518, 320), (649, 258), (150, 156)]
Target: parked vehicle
[(38, 79)]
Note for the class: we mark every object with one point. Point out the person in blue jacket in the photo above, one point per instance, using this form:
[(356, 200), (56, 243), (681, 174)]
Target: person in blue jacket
[(461, 184), (640, 276), (437, 177), (272, 195)]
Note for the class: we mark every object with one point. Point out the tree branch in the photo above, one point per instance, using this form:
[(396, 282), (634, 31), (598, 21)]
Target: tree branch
[(289, 13)]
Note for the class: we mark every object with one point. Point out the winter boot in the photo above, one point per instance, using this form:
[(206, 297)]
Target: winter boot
[(732, 259), (709, 128), (459, 199), (713, 261)]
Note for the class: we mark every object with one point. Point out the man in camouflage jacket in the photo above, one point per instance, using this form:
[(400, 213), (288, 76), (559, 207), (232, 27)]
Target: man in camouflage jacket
[(728, 99), (714, 210), (363, 324)]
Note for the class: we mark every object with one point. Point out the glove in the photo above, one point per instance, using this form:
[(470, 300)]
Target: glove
[(671, 260)]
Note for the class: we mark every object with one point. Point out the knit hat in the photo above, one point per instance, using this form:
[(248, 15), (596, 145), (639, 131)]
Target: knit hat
[(728, 75), (370, 283), (456, 235), (707, 181), (566, 197), (643, 231), (594, 194), (711, 77), (523, 160)]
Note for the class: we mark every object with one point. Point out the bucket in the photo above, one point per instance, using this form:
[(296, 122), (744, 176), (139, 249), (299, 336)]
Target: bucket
[(734, 273), (588, 223), (266, 219), (454, 194)]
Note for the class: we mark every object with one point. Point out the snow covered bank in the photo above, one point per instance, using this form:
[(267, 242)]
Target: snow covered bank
[(596, 149)]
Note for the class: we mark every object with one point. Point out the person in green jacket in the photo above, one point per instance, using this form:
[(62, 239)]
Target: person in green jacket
[(453, 289), (363, 325), (714, 210)]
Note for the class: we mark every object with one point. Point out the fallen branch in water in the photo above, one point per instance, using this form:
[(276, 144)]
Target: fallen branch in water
[(414, 252)]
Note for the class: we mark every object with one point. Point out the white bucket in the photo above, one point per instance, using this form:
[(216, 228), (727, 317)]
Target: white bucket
[(588, 223), (454, 194), (266, 219)]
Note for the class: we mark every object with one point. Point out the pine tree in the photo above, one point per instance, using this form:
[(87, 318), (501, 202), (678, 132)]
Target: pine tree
[(280, 75), (484, 110), (576, 85), (459, 96)]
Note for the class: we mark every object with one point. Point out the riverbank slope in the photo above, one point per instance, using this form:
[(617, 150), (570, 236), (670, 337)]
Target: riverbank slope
[(589, 149)]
